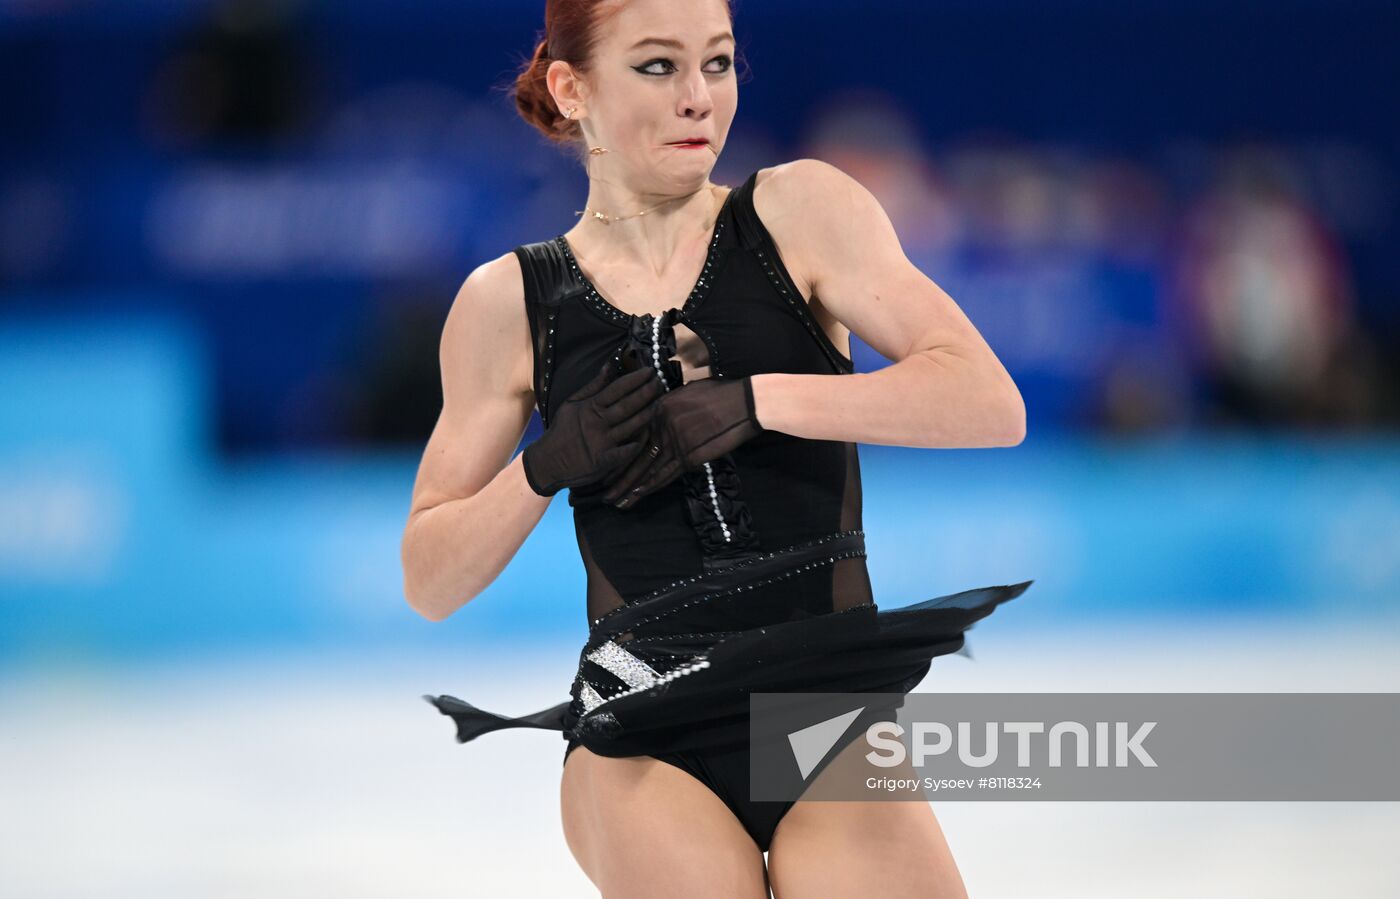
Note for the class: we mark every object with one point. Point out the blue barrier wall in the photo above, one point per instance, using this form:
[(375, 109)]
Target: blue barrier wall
[(123, 535)]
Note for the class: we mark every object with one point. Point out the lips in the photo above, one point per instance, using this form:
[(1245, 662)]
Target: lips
[(688, 142)]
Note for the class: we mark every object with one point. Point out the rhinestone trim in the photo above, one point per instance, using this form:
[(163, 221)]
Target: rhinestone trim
[(719, 514), (667, 638), (700, 664), (848, 554), (801, 309), (709, 472), (588, 696), (608, 312), (592, 700), (548, 366), (714, 503), (656, 353), (835, 535), (623, 665)]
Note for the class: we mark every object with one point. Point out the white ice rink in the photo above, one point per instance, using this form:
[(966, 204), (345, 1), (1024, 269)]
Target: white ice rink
[(314, 775)]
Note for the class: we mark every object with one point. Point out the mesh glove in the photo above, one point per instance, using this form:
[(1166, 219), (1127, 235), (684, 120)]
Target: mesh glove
[(695, 423), (588, 438)]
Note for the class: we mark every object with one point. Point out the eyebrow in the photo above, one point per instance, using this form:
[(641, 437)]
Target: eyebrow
[(664, 42)]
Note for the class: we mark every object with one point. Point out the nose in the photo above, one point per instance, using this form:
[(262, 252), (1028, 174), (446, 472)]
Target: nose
[(695, 99)]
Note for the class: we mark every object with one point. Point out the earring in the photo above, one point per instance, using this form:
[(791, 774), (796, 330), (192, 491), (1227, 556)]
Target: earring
[(592, 151)]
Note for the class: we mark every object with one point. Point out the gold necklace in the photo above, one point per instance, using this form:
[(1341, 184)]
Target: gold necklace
[(609, 219)]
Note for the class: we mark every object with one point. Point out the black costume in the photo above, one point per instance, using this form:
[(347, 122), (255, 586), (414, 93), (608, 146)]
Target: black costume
[(745, 574)]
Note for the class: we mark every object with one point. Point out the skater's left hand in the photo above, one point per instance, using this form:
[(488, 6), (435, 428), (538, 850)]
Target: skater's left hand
[(693, 424)]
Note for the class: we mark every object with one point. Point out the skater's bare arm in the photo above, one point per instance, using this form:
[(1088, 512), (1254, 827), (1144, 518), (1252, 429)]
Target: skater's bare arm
[(946, 388), (472, 507)]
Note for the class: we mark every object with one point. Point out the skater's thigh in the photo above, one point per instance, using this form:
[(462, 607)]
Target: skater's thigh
[(643, 827), (839, 848)]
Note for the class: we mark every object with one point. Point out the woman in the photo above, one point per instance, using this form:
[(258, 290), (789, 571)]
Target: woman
[(680, 343)]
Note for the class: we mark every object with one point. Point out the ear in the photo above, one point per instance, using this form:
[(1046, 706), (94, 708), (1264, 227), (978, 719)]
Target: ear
[(567, 88)]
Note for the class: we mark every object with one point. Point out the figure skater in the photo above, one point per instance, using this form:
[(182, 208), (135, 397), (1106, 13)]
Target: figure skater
[(686, 345)]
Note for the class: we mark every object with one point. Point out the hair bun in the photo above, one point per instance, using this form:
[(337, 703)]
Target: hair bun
[(534, 101)]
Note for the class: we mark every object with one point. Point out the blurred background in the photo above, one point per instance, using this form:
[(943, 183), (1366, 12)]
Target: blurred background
[(230, 231)]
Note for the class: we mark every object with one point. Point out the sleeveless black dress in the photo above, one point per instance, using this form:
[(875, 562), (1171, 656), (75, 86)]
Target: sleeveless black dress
[(745, 575)]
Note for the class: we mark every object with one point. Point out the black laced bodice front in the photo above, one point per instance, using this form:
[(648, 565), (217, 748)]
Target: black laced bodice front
[(743, 317)]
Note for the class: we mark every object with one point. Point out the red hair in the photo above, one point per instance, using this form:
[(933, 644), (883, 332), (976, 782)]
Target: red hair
[(571, 31)]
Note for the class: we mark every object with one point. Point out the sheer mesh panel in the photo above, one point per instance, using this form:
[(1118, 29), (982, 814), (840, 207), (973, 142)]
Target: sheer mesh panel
[(542, 363), (602, 595), (850, 579)]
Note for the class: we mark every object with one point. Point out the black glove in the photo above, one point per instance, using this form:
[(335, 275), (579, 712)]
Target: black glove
[(695, 423), (587, 440)]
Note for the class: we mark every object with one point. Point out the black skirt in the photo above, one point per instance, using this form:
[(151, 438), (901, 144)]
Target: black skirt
[(670, 672)]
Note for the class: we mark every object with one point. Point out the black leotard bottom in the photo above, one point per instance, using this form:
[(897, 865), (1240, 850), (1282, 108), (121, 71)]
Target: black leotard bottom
[(670, 675), (726, 774)]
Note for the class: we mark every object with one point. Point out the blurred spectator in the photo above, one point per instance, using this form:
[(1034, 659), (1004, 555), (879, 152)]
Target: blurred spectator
[(1265, 286), (874, 139), (241, 75)]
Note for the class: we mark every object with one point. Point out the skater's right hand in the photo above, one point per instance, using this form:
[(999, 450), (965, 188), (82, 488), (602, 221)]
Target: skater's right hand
[(589, 436), (693, 424)]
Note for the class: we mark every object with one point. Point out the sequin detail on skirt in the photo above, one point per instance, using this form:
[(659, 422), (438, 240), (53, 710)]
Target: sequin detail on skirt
[(626, 667), (673, 670)]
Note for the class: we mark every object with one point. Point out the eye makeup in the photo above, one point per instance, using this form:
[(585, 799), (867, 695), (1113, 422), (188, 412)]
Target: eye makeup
[(728, 64)]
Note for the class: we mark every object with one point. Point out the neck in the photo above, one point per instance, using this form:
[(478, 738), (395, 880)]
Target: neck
[(645, 241)]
